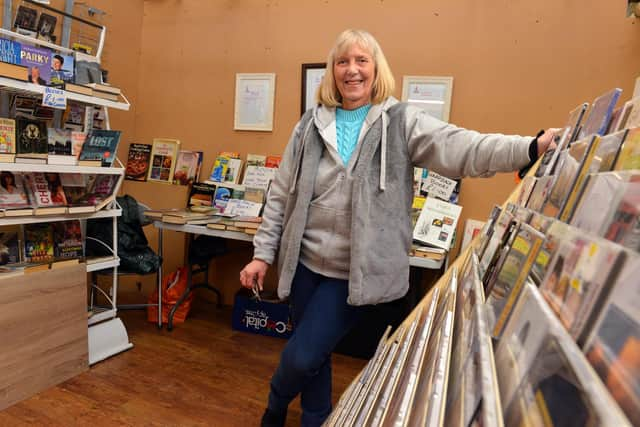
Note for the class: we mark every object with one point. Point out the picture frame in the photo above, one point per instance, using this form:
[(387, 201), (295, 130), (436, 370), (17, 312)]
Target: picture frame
[(431, 93), (312, 75), (254, 98)]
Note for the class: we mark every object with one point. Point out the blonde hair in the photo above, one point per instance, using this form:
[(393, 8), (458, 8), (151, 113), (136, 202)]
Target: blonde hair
[(383, 83)]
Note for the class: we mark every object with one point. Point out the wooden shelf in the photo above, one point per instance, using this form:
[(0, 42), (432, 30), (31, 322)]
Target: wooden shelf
[(39, 167)]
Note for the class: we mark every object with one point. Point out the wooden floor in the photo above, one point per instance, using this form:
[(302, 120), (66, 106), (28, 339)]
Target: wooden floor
[(201, 374)]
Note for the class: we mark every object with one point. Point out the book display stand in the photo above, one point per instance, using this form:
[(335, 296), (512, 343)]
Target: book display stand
[(536, 322)]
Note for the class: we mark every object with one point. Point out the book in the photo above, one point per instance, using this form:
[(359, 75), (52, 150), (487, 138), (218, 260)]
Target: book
[(26, 21), (273, 161), (201, 194), (437, 223), (78, 139), (100, 146), (10, 244), (247, 221), (472, 228), (77, 88), (606, 152), (87, 69), (103, 191), (13, 71), (623, 226), (187, 170), (163, 160), (46, 192), (256, 159), (31, 138), (504, 287), (38, 61), (612, 347), (10, 51), (632, 119), (59, 142), (77, 188), (138, 162), (104, 95), (600, 115), (186, 216), (526, 188), (62, 69), (46, 27), (540, 193), (104, 87), (621, 123), (496, 240), (629, 156), (67, 236), (38, 242), (234, 168), (219, 170), (7, 138)]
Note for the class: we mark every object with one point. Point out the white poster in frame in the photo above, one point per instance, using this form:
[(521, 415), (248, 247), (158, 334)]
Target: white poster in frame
[(254, 101), (431, 93)]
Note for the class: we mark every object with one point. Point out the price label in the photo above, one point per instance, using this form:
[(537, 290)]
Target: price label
[(54, 98)]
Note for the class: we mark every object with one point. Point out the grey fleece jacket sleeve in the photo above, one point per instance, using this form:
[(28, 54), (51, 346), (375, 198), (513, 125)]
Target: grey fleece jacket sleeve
[(456, 152), (267, 239)]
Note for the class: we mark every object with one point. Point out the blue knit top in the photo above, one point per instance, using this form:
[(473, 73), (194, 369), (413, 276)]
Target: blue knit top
[(348, 125)]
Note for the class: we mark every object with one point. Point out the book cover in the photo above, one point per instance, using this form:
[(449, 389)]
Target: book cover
[(87, 69), (78, 139), (10, 51), (540, 193), (7, 135), (59, 141), (222, 196), (138, 162), (38, 60), (45, 189), (201, 194), (67, 236), (472, 228), (606, 152), (621, 122), (601, 110), (234, 168), (504, 287), (187, 169), (31, 137), (13, 194), (273, 161), (26, 19), (629, 157), (229, 154), (437, 223), (612, 349), (219, 170), (38, 242), (601, 194), (632, 118), (10, 241), (496, 240), (624, 225), (163, 160), (256, 159), (101, 145), (77, 189), (62, 68), (46, 27)]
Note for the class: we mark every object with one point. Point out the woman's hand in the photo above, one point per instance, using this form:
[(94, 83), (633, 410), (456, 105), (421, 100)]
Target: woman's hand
[(547, 140), (252, 273)]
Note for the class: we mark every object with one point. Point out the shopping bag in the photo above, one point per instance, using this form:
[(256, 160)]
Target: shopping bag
[(173, 286)]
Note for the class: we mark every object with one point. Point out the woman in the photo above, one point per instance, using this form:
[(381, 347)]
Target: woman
[(339, 210)]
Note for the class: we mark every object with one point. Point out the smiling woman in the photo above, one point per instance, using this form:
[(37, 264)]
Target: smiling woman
[(348, 163)]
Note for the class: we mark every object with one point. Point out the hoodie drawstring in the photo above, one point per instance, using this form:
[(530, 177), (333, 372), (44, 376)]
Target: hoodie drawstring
[(298, 160), (383, 152)]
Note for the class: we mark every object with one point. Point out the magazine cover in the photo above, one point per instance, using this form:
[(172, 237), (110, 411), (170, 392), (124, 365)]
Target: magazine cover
[(613, 347), (13, 194), (437, 223), (629, 157), (163, 160), (187, 169), (38, 242), (138, 162), (598, 120), (45, 189), (67, 236)]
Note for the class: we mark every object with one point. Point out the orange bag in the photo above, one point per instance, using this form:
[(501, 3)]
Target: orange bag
[(173, 287)]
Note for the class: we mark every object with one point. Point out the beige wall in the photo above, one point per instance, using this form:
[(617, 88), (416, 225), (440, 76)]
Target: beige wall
[(517, 66)]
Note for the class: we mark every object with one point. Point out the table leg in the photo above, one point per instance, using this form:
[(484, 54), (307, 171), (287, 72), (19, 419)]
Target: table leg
[(160, 278)]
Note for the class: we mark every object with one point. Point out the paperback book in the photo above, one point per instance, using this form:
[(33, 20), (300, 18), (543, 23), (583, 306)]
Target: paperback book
[(46, 191), (46, 27), (598, 120), (629, 157), (59, 142), (67, 236), (13, 194), (100, 148), (437, 223), (10, 51), (7, 139), (38, 61), (138, 162), (38, 242), (26, 21), (188, 166), (163, 160), (10, 244), (31, 138), (201, 194)]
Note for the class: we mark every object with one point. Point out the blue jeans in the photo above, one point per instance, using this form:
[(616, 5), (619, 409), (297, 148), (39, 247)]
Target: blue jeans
[(321, 317)]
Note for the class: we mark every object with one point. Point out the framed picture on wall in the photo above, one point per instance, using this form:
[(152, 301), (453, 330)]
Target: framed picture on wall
[(311, 77), (431, 93), (254, 101)]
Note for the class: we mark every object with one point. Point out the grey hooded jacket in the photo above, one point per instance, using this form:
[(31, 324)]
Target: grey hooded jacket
[(377, 187)]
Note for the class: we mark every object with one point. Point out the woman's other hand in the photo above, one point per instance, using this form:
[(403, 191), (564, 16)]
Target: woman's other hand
[(252, 273)]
